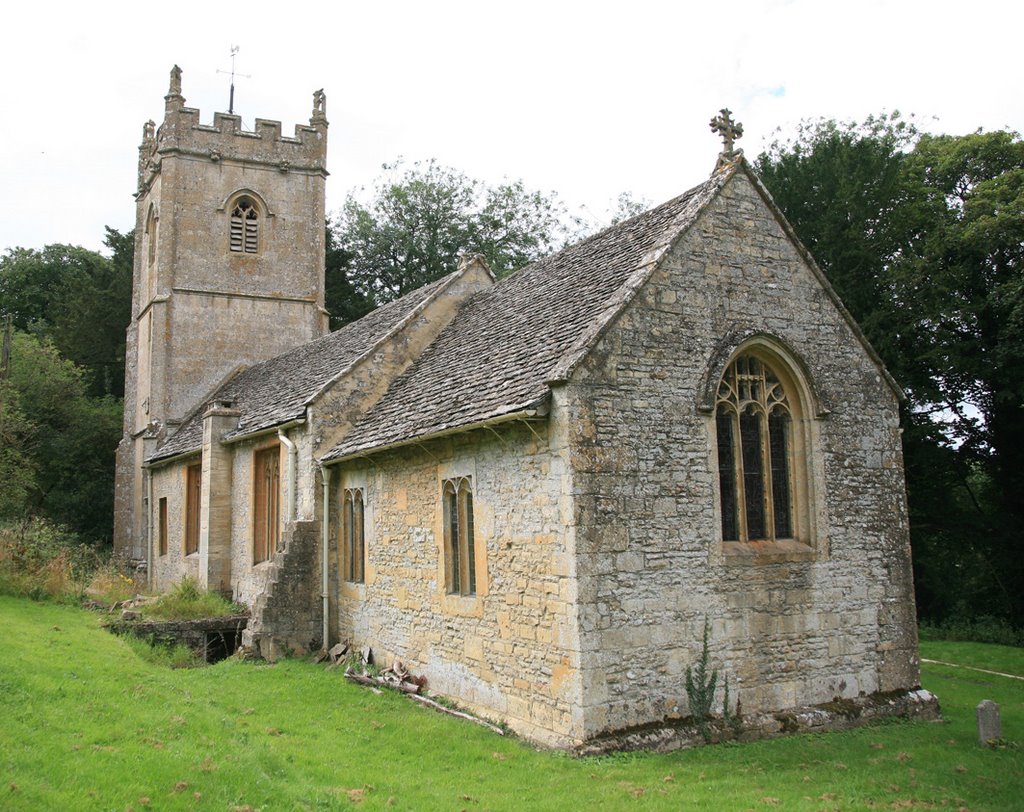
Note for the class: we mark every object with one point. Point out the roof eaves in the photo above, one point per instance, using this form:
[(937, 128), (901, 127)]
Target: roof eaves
[(534, 408), (191, 413)]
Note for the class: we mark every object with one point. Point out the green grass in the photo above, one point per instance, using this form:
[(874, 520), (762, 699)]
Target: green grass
[(85, 723)]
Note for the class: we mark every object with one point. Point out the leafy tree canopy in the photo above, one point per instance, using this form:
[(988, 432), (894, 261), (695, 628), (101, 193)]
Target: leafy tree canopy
[(421, 217), (56, 442), (78, 299)]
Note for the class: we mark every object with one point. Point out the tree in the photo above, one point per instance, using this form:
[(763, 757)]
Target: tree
[(77, 298), (56, 443), (341, 298), (422, 217), (922, 237), (840, 185), (962, 284)]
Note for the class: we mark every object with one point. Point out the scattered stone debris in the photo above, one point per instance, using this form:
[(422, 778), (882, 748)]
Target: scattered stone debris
[(360, 668)]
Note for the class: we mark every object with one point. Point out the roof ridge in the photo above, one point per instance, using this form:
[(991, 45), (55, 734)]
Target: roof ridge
[(442, 284), (699, 198)]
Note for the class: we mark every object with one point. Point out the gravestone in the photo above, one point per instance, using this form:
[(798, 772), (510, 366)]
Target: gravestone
[(990, 726)]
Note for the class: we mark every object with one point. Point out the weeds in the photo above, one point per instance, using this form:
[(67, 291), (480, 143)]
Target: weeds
[(40, 560), (176, 655), (189, 601), (700, 688)]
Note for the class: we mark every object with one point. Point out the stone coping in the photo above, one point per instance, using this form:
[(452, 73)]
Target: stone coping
[(143, 628), (839, 714)]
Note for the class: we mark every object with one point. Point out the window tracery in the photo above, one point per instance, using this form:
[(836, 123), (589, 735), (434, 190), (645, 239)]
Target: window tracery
[(754, 417), (245, 221)]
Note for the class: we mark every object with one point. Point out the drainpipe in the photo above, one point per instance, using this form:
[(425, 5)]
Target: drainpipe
[(292, 472), (149, 531), (325, 513)]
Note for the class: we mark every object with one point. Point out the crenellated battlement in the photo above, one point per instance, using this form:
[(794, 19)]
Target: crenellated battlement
[(182, 134)]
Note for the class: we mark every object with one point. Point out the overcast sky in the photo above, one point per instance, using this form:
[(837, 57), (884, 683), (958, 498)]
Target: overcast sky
[(587, 99)]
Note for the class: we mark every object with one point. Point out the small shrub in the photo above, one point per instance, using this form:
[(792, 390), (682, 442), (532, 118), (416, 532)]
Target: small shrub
[(983, 629), (189, 601)]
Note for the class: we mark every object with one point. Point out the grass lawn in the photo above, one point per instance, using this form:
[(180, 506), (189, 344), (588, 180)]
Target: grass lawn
[(87, 724)]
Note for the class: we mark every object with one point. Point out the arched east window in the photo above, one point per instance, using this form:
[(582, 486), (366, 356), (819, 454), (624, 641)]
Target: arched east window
[(245, 226), (755, 415)]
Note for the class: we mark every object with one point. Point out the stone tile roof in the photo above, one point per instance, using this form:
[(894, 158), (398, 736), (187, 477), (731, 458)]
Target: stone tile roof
[(507, 343), (277, 391)]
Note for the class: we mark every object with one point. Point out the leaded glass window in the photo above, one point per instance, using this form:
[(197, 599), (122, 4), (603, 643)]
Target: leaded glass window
[(753, 421)]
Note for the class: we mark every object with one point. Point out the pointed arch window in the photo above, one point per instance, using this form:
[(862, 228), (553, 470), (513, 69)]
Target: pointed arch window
[(353, 536), (459, 545), (754, 422), (245, 226)]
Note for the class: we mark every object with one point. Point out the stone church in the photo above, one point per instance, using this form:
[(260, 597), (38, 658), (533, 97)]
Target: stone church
[(534, 490)]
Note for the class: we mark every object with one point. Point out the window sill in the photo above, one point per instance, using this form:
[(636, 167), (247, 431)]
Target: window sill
[(462, 605), (745, 553)]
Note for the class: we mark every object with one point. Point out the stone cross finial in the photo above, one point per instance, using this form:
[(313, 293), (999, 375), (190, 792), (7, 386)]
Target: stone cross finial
[(729, 130)]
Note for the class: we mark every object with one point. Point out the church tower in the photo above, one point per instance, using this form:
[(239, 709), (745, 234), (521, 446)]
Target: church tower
[(229, 271)]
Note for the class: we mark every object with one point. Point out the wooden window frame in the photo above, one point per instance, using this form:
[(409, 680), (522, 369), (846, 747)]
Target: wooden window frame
[(193, 501), (459, 541), (353, 535), (761, 467), (162, 526), (266, 501)]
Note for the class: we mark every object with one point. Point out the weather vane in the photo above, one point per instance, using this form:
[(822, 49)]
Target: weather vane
[(231, 97), (729, 130)]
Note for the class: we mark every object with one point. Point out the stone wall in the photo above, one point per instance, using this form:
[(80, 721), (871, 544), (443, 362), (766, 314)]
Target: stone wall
[(287, 616), (793, 625), (511, 651), (166, 570)]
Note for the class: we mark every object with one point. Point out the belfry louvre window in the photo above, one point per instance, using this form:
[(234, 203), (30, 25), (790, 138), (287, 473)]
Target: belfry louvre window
[(267, 500), (245, 223), (754, 426), (459, 550), (193, 494), (352, 535)]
